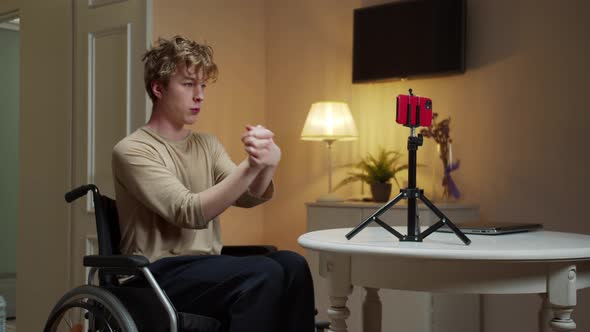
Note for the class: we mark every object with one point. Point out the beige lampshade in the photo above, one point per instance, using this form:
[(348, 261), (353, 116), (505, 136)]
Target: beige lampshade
[(329, 120)]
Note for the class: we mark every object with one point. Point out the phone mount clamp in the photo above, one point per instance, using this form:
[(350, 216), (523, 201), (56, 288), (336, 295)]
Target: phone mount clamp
[(411, 193)]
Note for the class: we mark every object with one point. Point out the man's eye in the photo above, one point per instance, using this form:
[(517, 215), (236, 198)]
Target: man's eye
[(203, 86), (188, 84)]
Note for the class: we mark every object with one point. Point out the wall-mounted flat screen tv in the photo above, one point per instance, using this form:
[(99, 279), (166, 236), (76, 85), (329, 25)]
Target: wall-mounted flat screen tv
[(408, 38)]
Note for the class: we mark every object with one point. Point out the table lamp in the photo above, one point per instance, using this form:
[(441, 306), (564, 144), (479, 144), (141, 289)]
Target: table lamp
[(329, 121)]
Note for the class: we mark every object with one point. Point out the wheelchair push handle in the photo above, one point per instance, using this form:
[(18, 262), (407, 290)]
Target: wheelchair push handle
[(76, 193)]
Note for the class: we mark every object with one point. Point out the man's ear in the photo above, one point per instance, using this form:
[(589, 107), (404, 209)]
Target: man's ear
[(157, 89)]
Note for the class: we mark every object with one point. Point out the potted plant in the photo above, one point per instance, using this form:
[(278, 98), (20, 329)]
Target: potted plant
[(377, 172)]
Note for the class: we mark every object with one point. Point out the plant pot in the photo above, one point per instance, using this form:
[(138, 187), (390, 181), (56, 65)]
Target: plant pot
[(381, 191)]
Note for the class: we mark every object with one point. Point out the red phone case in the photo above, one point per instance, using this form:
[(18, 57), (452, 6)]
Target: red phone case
[(413, 111)]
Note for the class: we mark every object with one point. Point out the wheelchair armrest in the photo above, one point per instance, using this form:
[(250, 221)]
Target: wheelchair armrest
[(248, 250), (124, 261)]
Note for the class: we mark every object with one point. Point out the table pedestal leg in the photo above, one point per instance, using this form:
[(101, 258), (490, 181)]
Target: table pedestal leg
[(338, 313), (336, 268), (562, 297), (372, 311), (545, 314)]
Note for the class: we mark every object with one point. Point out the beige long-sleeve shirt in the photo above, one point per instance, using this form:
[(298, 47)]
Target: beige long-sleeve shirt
[(157, 186)]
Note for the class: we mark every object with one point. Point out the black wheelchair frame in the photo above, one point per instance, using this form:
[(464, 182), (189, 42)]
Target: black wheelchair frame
[(116, 303)]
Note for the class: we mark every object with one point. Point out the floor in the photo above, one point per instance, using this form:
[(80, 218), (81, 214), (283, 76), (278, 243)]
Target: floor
[(11, 325)]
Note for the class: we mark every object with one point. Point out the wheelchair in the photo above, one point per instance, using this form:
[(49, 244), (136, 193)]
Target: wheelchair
[(127, 306)]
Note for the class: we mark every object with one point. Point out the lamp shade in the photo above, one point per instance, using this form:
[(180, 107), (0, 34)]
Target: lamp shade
[(329, 121)]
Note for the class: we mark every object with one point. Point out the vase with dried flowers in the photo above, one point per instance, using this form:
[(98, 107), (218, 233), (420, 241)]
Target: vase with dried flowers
[(440, 132)]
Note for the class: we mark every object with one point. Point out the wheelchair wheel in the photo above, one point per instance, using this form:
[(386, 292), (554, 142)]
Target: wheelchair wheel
[(92, 309)]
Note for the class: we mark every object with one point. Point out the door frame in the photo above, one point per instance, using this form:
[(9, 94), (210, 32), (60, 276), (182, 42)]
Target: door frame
[(8, 280)]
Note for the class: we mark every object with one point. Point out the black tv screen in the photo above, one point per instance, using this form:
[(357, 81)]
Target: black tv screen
[(408, 38)]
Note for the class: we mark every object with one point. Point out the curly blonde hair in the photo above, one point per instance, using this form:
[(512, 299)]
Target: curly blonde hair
[(161, 61)]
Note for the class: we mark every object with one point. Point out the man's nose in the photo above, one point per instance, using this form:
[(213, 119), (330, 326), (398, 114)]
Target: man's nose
[(198, 95)]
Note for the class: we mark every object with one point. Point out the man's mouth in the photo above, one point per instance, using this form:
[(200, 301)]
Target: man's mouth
[(195, 110)]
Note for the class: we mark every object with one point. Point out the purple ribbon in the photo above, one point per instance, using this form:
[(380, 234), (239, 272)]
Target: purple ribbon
[(452, 186)]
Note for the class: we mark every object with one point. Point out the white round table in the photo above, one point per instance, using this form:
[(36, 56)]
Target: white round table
[(552, 264)]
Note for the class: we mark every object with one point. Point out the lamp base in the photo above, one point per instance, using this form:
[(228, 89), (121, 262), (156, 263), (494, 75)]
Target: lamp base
[(330, 197)]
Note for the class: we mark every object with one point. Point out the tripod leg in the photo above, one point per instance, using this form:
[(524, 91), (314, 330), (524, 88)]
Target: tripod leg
[(374, 216), (432, 228), (444, 220), (390, 229)]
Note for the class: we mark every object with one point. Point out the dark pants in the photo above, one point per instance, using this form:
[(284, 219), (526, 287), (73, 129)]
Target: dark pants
[(255, 293)]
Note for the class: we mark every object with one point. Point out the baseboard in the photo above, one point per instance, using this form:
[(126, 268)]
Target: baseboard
[(8, 291)]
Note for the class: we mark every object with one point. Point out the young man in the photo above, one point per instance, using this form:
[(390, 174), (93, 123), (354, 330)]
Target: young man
[(171, 185)]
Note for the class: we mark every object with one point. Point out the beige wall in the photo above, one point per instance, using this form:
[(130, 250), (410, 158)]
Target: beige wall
[(256, 46), (235, 29), (268, 57), (309, 59), (517, 122), (518, 118), (518, 113)]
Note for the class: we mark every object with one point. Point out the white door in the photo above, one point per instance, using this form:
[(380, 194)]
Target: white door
[(109, 102)]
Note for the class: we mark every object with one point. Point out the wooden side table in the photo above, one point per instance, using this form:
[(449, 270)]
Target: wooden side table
[(405, 310), (553, 264)]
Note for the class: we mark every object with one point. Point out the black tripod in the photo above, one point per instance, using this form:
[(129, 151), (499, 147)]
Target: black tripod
[(411, 194)]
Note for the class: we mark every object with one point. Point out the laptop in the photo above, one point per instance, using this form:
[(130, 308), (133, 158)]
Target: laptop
[(492, 227)]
